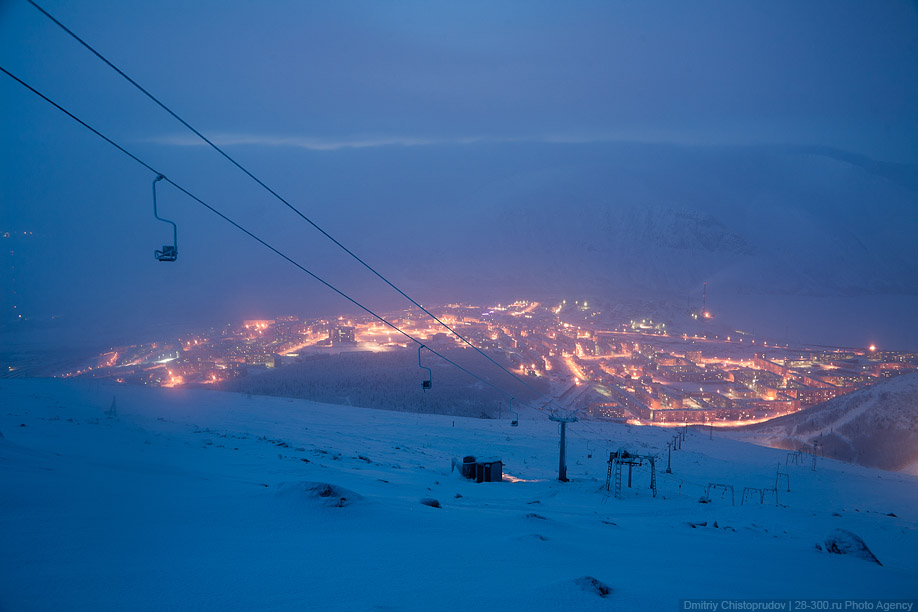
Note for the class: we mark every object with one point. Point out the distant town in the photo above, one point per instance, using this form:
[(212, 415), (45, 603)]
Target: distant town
[(643, 371)]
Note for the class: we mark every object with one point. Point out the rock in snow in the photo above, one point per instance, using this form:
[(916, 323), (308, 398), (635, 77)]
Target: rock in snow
[(331, 495), (843, 542), (429, 501), (592, 585)]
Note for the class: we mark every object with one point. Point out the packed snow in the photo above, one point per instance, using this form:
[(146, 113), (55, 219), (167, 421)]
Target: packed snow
[(129, 498)]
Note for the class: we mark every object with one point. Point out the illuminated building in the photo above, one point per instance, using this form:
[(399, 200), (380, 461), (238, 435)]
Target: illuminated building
[(342, 334)]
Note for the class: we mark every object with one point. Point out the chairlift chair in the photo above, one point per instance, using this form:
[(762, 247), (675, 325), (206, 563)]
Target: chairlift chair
[(169, 252), (425, 384), (516, 421)]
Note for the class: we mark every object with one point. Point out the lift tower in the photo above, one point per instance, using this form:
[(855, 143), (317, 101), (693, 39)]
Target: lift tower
[(562, 467)]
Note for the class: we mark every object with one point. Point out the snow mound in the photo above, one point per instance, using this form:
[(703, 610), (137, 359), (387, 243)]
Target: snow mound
[(843, 542), (592, 585), (330, 495), (584, 594), (430, 501)]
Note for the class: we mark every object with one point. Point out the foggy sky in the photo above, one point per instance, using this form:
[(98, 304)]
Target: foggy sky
[(383, 121)]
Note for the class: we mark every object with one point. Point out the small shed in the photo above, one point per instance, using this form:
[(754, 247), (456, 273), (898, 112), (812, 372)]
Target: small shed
[(480, 470), (469, 466), (489, 471)]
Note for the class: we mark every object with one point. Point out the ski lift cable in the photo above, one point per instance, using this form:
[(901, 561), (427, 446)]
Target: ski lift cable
[(597, 440), (584, 423), (591, 428), (249, 233), (276, 195)]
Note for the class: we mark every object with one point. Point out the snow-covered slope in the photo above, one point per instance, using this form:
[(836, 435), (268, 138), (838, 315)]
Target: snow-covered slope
[(195, 500), (875, 427)]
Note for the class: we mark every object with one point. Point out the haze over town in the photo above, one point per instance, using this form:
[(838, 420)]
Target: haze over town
[(519, 155)]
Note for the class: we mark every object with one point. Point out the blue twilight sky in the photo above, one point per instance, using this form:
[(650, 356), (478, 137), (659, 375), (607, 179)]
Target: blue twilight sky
[(326, 75), (384, 119)]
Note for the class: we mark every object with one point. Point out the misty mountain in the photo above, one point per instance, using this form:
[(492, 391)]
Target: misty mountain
[(874, 427), (493, 221), (665, 219)]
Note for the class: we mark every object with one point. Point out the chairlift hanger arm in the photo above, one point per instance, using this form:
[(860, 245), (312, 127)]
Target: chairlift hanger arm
[(425, 384), (516, 421), (168, 253)]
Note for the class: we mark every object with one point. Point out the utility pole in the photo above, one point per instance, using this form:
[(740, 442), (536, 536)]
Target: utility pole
[(562, 467), (669, 452)]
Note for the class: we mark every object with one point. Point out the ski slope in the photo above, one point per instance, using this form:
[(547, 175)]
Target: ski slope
[(198, 500)]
